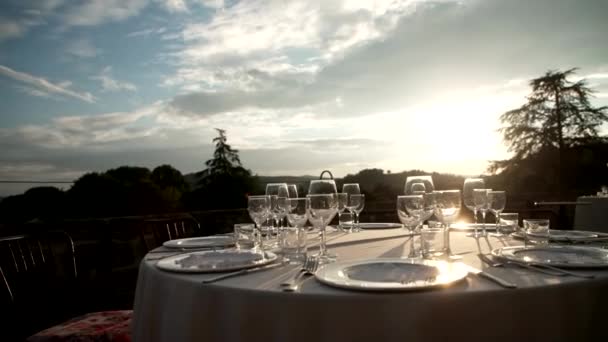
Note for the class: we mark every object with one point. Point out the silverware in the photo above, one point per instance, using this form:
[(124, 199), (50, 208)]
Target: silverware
[(309, 269), (243, 271), (565, 272), (484, 258), (292, 280), (542, 268), (502, 282)]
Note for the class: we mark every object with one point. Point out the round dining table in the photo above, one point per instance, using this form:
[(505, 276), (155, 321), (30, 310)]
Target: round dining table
[(172, 306)]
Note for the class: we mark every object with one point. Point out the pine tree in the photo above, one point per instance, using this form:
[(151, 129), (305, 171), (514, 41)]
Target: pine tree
[(557, 116)]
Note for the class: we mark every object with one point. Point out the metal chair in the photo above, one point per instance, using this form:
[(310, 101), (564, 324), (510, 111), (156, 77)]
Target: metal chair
[(170, 228)]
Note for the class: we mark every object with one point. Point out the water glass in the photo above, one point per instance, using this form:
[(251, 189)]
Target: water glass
[(346, 221), (433, 242), (293, 244), (536, 231), (245, 236), (508, 223)]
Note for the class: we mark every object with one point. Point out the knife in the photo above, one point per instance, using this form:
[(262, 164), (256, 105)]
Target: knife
[(243, 271), (497, 280)]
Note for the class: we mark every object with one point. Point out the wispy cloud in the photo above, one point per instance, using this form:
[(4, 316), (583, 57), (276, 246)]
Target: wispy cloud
[(146, 32), (82, 48), (108, 83), (174, 6), (41, 84), (95, 12), (10, 29)]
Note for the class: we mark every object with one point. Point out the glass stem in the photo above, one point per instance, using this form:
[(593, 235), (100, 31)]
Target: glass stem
[(496, 213), (322, 247), (483, 222), (475, 218), (448, 250), (357, 222)]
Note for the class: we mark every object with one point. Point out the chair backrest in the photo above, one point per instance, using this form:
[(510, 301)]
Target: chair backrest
[(36, 275), (171, 228)]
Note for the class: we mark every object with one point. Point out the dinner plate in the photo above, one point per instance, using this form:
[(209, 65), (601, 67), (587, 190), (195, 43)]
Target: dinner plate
[(391, 274), (201, 242), (567, 235), (560, 256), (379, 225), (215, 261)]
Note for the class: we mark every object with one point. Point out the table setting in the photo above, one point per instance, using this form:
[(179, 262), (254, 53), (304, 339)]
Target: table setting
[(372, 270)]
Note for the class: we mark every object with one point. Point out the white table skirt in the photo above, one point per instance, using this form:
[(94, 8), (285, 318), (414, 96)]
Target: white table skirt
[(592, 217), (177, 307)]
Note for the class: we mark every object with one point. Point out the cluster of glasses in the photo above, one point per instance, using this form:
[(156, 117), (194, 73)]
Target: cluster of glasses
[(479, 199), (319, 207), (420, 202)]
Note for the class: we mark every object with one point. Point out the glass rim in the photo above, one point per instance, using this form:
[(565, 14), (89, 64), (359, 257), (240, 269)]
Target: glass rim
[(258, 196), (410, 196), (536, 220)]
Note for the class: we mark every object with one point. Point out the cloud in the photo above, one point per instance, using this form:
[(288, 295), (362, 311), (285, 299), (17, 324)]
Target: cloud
[(404, 52), (174, 6), (82, 48), (95, 12), (108, 83), (10, 29), (42, 85)]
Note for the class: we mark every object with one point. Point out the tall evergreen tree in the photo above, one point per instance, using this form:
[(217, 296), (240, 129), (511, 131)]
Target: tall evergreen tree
[(557, 115), (224, 183)]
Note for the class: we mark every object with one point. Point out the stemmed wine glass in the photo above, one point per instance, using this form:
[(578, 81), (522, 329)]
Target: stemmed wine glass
[(323, 208), (292, 190), (342, 202), (480, 198), (410, 209), (471, 184), (427, 181), (447, 210), (351, 189), (259, 211), (356, 203), (277, 190), (497, 201)]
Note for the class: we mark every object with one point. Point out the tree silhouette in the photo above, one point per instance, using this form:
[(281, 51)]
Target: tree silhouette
[(225, 182), (557, 116)]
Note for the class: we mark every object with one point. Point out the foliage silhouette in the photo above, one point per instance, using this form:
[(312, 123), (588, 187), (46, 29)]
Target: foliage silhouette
[(224, 183), (557, 117)]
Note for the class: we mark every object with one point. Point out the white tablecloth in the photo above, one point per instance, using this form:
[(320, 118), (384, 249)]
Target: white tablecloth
[(177, 307), (592, 217)]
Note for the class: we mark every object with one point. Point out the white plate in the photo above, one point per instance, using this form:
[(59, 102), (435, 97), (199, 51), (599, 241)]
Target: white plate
[(379, 225), (201, 242), (567, 235), (560, 256), (391, 274), (214, 261)]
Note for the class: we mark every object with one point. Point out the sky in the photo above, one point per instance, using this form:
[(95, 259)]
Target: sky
[(300, 86)]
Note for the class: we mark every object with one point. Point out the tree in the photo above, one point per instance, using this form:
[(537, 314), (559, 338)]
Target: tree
[(557, 115), (225, 182)]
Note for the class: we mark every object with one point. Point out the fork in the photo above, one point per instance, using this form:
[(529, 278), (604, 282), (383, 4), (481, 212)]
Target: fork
[(546, 269), (293, 279), (484, 258), (309, 269)]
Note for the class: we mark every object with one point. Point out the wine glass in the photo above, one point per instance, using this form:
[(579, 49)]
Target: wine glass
[(471, 184), (278, 190), (342, 202), (409, 211), (497, 201), (351, 189), (430, 202), (292, 189), (416, 188), (356, 203), (480, 198), (322, 186), (259, 211), (323, 208), (298, 213), (426, 180), (447, 210)]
